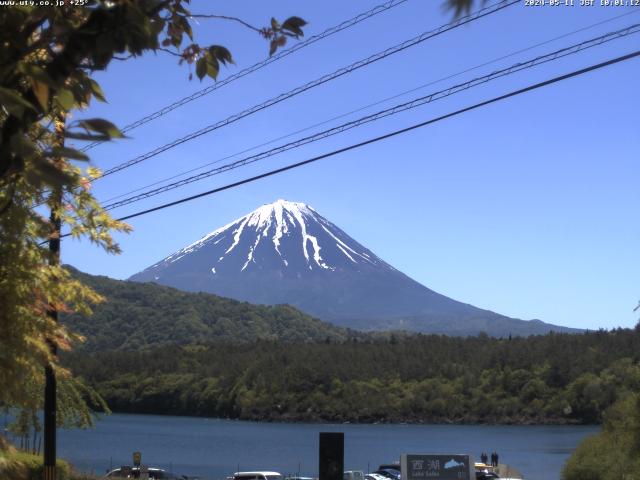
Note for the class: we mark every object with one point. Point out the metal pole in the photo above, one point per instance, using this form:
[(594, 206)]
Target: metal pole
[(50, 406)]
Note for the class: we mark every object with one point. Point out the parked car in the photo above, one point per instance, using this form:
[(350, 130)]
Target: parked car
[(390, 473), (375, 476), (485, 475), (134, 472), (353, 475), (261, 475)]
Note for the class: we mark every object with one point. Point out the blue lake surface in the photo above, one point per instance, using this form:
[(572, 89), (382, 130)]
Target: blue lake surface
[(214, 448)]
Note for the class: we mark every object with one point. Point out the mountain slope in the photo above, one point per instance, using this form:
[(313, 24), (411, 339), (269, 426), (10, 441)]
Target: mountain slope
[(286, 252), (138, 316)]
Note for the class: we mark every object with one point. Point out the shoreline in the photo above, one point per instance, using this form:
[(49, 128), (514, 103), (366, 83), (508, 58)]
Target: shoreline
[(315, 420)]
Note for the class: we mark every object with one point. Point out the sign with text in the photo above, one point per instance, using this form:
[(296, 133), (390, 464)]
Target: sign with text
[(444, 467)]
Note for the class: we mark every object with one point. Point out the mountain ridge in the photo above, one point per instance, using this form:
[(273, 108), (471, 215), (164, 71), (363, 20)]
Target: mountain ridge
[(287, 253)]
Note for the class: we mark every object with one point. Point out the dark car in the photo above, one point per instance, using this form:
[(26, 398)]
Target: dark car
[(485, 475)]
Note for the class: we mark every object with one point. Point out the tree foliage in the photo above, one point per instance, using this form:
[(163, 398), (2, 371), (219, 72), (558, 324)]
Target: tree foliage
[(138, 316), (47, 59), (556, 378), (614, 453)]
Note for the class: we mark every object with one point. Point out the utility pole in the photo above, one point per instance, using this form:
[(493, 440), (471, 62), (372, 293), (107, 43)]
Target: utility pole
[(50, 406)]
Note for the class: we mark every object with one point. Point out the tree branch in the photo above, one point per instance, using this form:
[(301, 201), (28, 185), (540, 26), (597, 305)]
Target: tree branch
[(171, 52), (225, 17)]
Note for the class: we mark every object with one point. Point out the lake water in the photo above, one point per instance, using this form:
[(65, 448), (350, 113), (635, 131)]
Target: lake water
[(213, 448)]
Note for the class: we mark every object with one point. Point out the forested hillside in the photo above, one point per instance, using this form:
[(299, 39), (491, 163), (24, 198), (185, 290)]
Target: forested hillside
[(145, 315), (557, 378)]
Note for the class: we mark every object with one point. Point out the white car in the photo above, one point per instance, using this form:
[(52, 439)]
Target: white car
[(353, 475), (375, 476), (261, 475), (132, 472)]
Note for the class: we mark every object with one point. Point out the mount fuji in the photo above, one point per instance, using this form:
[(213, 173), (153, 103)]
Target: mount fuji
[(286, 252)]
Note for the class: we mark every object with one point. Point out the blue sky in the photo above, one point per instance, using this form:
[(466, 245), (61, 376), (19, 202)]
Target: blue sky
[(527, 207)]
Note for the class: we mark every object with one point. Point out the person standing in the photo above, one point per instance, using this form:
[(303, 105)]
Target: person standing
[(496, 454)]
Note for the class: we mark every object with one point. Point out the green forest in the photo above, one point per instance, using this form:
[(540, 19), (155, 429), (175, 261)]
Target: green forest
[(138, 316), (551, 379), (154, 349)]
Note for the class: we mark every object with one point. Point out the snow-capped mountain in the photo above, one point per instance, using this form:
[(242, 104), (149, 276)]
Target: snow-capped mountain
[(284, 236), (286, 252)]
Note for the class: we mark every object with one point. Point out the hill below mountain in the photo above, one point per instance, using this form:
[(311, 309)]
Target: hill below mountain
[(286, 252), (137, 316)]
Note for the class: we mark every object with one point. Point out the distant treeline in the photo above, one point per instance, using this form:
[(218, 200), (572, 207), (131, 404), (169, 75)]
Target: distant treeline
[(556, 378)]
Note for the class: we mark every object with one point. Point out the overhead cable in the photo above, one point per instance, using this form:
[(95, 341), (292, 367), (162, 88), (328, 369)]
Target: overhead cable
[(564, 52), (270, 173), (257, 66), (365, 107), (475, 106), (324, 79)]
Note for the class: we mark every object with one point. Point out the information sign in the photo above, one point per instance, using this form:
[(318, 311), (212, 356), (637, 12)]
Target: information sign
[(443, 467)]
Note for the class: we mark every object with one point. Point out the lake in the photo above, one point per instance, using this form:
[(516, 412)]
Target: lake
[(214, 448)]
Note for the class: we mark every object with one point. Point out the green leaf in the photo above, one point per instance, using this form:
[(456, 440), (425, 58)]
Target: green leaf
[(201, 67), (86, 136), (65, 152), (459, 6), (23, 146), (47, 172), (41, 91), (101, 126), (65, 99), (14, 103), (213, 68), (97, 90), (221, 54), (37, 72), (294, 25), (81, 91), (186, 27), (157, 26)]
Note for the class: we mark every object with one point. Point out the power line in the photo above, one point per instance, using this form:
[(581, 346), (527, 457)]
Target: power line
[(564, 52), (257, 66), (324, 79), (513, 93), (279, 55), (378, 102)]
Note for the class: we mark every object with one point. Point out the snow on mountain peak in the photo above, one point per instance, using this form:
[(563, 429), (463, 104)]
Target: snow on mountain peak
[(274, 222)]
